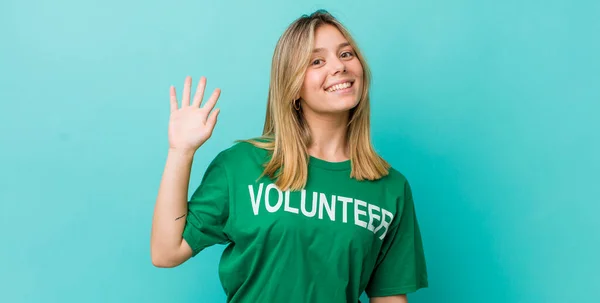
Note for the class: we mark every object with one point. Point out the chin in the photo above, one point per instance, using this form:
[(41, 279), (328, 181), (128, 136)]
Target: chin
[(348, 105), (341, 108), (335, 105)]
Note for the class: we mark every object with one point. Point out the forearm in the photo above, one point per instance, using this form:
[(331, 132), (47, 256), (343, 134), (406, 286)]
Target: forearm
[(170, 210)]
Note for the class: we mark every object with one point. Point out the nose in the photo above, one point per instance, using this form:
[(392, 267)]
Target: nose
[(338, 66)]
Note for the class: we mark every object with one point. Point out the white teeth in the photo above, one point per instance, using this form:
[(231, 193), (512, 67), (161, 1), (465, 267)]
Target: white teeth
[(339, 86)]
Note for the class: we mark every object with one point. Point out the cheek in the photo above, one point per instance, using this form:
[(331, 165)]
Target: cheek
[(356, 68), (313, 81)]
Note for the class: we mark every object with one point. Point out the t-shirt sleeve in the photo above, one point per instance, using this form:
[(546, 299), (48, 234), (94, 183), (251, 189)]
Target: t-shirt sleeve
[(400, 266), (208, 209)]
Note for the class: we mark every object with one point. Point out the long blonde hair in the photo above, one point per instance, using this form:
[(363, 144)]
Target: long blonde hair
[(286, 134)]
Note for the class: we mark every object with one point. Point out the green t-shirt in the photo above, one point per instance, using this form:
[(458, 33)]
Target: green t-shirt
[(326, 243)]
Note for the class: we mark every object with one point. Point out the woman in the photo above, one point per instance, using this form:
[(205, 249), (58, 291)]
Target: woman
[(309, 211)]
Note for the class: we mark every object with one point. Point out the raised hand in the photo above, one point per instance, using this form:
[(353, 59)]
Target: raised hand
[(191, 125)]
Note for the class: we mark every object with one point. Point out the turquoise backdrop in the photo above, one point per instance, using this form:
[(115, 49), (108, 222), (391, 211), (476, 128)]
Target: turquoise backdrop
[(490, 108)]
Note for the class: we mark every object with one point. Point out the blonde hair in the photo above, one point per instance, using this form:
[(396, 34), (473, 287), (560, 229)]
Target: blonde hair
[(286, 133)]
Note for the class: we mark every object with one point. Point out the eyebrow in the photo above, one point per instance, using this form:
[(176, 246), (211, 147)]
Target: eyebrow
[(344, 44)]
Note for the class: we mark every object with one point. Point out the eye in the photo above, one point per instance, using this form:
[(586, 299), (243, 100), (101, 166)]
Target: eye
[(315, 62), (350, 54)]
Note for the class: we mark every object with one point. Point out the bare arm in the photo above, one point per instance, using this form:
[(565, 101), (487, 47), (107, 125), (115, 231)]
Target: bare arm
[(390, 299), (168, 249), (189, 127)]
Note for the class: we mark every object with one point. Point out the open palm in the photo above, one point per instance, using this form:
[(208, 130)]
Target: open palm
[(191, 125)]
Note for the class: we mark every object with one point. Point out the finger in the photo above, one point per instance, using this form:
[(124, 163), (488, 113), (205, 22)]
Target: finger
[(185, 98), (210, 104), (212, 119), (199, 92), (173, 99)]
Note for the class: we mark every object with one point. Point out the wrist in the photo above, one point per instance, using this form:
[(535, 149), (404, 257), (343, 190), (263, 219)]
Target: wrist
[(184, 152)]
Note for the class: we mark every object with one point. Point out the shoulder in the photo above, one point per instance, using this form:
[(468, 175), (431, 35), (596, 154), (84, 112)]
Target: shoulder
[(395, 182), (242, 151), (395, 176)]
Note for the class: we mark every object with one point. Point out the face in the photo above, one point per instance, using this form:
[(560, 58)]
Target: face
[(333, 81)]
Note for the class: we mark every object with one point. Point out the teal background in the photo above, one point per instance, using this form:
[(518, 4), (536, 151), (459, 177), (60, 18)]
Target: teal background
[(490, 108)]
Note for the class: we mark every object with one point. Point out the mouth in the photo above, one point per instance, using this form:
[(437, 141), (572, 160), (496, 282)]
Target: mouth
[(341, 87)]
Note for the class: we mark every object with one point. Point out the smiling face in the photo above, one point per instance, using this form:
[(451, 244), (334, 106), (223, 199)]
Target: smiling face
[(334, 77)]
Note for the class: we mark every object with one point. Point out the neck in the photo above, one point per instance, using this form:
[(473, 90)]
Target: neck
[(328, 134)]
